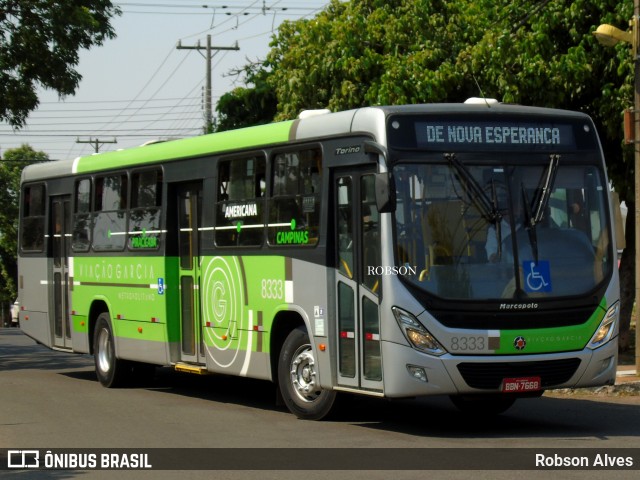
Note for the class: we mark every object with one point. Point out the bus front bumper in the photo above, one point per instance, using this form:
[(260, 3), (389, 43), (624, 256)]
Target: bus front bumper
[(410, 373)]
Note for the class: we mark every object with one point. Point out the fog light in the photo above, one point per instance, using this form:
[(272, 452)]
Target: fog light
[(417, 372), (605, 365)]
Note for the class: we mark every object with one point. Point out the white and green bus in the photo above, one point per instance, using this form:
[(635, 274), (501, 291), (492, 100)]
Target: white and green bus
[(460, 249)]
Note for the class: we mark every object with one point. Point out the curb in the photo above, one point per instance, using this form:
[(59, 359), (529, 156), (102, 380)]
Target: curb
[(621, 390), (627, 384)]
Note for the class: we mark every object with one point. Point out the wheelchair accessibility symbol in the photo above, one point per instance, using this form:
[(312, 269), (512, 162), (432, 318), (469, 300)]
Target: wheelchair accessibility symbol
[(538, 276)]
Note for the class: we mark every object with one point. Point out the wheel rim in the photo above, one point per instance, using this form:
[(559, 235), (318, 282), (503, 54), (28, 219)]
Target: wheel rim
[(104, 350), (303, 374)]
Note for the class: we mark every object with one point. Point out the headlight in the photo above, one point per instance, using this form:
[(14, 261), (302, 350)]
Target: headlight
[(607, 327), (418, 336)]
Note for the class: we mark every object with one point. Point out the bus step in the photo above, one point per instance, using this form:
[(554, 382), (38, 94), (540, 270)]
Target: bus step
[(187, 368)]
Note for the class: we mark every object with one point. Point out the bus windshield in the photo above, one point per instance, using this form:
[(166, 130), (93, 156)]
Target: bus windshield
[(509, 230)]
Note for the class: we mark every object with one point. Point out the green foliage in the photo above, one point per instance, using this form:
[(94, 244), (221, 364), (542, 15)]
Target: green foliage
[(11, 167), (39, 45), (366, 53), (244, 107), (543, 53)]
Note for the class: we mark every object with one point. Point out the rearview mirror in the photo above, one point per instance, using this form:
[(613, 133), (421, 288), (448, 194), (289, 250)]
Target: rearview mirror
[(384, 185), (385, 193)]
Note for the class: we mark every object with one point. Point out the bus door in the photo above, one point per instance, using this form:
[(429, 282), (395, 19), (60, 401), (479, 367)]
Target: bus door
[(60, 236), (188, 200), (357, 286)]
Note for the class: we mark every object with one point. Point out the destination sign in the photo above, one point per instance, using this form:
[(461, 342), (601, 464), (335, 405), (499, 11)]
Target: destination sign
[(494, 135)]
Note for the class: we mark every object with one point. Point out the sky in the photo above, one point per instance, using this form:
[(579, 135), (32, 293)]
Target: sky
[(139, 87)]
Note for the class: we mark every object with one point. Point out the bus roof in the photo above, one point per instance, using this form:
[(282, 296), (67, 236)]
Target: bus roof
[(369, 120)]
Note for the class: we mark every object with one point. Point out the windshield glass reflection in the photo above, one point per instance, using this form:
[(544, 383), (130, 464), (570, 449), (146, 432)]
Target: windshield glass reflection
[(502, 232)]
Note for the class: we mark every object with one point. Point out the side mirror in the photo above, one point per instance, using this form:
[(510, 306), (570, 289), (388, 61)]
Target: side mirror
[(385, 193), (384, 184)]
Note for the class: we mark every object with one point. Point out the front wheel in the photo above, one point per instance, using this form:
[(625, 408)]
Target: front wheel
[(111, 371), (298, 378)]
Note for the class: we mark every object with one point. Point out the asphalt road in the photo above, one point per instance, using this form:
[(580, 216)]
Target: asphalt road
[(51, 400)]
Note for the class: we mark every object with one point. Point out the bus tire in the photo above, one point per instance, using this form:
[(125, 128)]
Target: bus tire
[(297, 378), (111, 371), (483, 404)]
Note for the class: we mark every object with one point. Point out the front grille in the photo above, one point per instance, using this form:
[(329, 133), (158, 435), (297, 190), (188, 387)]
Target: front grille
[(490, 375), (510, 320)]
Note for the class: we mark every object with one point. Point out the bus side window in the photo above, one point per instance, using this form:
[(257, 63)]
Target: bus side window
[(240, 203), (81, 240), (144, 216), (33, 218), (110, 214), (294, 204)]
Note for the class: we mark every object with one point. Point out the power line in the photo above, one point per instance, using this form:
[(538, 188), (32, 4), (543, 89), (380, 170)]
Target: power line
[(95, 123), (164, 61), (252, 17), (116, 101), (57, 117), (236, 16), (182, 123), (225, 8), (66, 133)]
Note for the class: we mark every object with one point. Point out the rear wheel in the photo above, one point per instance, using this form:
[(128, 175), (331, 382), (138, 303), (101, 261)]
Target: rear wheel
[(298, 379), (111, 371), (483, 404)]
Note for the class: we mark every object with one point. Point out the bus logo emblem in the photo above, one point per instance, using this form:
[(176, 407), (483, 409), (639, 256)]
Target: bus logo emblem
[(519, 343)]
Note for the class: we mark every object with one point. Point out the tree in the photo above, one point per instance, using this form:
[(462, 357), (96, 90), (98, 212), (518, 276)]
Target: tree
[(245, 107), (11, 167), (39, 45), (368, 52)]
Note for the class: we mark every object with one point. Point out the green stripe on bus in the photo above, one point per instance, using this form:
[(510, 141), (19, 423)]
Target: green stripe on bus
[(188, 147), (550, 340), (239, 295)]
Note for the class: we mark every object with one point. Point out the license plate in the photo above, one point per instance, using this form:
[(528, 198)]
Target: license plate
[(521, 384)]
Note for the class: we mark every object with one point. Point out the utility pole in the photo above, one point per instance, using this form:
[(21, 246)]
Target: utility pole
[(96, 142), (635, 51), (208, 56)]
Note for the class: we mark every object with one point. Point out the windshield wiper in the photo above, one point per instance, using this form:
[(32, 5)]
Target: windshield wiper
[(530, 224), (541, 201), (488, 207), (545, 192)]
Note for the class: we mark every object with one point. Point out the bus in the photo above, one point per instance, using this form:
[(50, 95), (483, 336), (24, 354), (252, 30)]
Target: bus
[(465, 250)]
